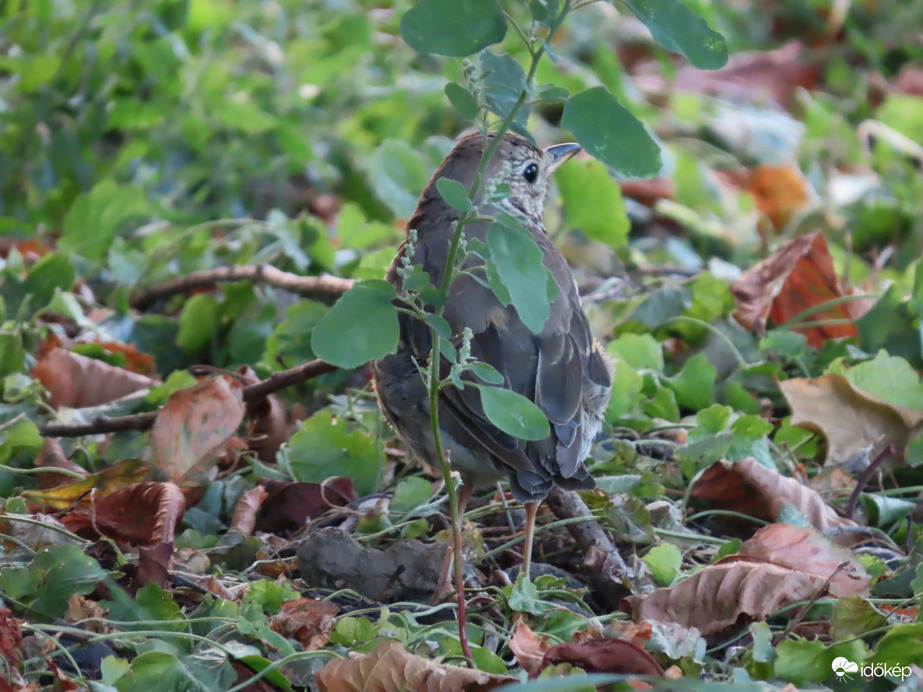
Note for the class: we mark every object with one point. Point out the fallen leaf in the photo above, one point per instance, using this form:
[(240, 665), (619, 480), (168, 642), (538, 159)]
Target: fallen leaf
[(306, 620), (10, 650), (750, 76), (142, 514), (77, 381), (244, 517), (194, 428), (52, 457), (391, 668), (91, 616), (527, 647), (289, 504), (807, 550), (715, 597), (853, 421), (779, 191), (125, 473), (604, 656), (268, 428), (798, 276), (750, 488), (135, 360)]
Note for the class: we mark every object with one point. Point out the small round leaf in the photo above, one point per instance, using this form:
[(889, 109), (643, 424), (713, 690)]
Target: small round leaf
[(362, 326), (514, 414), (456, 29)]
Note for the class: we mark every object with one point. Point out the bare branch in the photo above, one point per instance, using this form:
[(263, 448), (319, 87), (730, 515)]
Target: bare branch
[(325, 288), (143, 421)]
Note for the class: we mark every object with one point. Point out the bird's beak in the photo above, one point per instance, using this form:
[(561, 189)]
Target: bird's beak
[(561, 153)]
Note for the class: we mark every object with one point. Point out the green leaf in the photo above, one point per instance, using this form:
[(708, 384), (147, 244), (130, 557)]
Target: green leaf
[(664, 561), (888, 378), (514, 414), (608, 131), (675, 27), (409, 493), (95, 216), (640, 351), (54, 575), (12, 354), (362, 326), (454, 193), (593, 201), (485, 372), (197, 323), (504, 82), (463, 100), (53, 271), (324, 447), (520, 268), (456, 29), (694, 386), (900, 645), (397, 174)]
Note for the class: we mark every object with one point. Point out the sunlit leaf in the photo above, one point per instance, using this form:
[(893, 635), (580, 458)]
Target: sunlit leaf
[(362, 326)]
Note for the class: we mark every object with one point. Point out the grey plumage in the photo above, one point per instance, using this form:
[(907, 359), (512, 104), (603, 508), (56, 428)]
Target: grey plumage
[(561, 369)]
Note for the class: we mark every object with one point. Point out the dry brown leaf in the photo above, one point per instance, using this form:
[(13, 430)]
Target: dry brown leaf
[(290, 504), (750, 488), (780, 192), (52, 457), (124, 474), (77, 381), (807, 550), (391, 668), (716, 597), (90, 614), (798, 276), (194, 428), (604, 656), (853, 421), (268, 428), (307, 620), (10, 650), (138, 362), (528, 648), (244, 517), (143, 514)]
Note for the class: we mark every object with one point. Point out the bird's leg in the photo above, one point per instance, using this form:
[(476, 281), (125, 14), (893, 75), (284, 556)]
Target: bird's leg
[(531, 511), (442, 586)]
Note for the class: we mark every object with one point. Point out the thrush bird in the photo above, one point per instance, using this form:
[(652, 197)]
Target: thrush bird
[(561, 368)]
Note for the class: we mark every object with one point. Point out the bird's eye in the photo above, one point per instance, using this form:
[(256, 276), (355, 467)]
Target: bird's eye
[(530, 173)]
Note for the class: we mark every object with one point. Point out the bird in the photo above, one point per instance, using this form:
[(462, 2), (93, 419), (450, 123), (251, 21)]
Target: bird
[(562, 369)]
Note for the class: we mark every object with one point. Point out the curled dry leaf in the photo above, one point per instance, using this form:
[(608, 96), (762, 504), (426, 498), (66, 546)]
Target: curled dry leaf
[(195, 427), (10, 650), (798, 276), (52, 457), (244, 517), (35, 535), (750, 488), (853, 421), (807, 550), (289, 505), (141, 514), (307, 620), (528, 648), (81, 609), (268, 428), (77, 381), (124, 474), (391, 668), (604, 656), (714, 598)]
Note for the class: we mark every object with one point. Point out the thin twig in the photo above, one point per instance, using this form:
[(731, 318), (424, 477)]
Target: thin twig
[(864, 478), (144, 421), (825, 587), (324, 288)]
